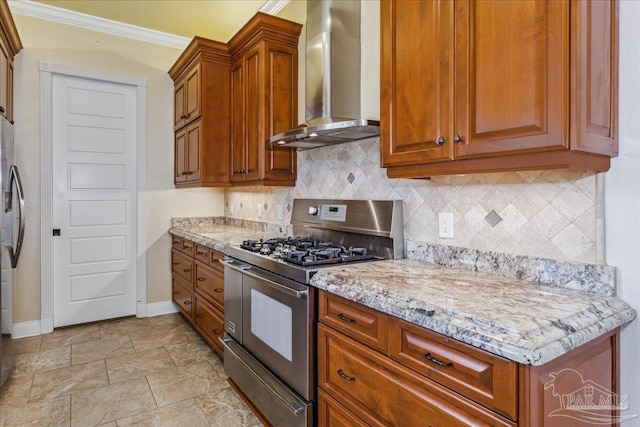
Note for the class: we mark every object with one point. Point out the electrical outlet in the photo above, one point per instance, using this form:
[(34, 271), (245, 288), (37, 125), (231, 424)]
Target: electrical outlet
[(230, 208), (280, 212), (445, 225), (259, 210)]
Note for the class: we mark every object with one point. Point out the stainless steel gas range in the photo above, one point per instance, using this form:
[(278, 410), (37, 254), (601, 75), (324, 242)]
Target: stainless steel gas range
[(270, 309)]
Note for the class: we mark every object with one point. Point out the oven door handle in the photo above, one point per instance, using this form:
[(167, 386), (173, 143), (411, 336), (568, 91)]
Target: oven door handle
[(275, 285)]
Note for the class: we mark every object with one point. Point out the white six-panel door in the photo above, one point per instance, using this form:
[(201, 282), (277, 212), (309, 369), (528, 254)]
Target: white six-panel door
[(94, 194)]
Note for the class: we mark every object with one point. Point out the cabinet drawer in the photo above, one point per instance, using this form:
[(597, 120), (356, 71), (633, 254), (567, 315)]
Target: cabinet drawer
[(176, 242), (210, 322), (357, 321), (188, 247), (210, 283), (333, 414), (477, 374), (182, 265), (383, 392), (182, 296), (216, 256), (203, 254)]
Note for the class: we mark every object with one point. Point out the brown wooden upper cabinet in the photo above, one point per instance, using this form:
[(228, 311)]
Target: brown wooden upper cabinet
[(10, 45), (495, 85), (229, 99), (264, 92), (201, 106)]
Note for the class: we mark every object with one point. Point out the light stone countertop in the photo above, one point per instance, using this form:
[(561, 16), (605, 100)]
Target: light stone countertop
[(522, 321)]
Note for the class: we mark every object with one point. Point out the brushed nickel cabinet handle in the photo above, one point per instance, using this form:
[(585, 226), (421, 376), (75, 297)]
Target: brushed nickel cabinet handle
[(345, 376), (345, 318)]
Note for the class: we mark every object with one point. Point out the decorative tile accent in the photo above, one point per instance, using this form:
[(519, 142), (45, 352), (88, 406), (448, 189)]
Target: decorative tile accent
[(351, 178), (493, 218), (537, 207)]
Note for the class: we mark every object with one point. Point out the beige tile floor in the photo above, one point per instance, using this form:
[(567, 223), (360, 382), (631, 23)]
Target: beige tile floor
[(126, 372)]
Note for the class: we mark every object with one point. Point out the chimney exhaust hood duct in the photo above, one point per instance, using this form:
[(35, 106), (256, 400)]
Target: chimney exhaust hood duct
[(332, 95)]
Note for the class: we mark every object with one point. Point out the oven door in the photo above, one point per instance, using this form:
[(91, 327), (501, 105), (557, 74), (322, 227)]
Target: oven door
[(276, 327), (277, 321)]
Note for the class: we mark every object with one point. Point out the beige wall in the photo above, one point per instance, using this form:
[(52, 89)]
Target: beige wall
[(45, 41)]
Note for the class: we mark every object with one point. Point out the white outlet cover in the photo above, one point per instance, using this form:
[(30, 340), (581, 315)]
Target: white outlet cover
[(259, 210), (445, 225), (280, 212)]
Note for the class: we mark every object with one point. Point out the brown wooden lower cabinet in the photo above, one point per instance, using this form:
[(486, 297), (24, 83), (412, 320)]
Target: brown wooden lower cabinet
[(332, 414), (422, 378), (209, 321), (198, 288)]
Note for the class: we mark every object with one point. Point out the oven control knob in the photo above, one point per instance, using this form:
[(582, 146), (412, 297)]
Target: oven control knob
[(313, 210)]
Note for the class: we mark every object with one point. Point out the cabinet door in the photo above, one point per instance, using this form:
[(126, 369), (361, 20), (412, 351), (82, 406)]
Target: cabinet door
[(511, 76), (182, 295), (281, 110), (193, 152), (179, 156), (179, 116), (417, 42), (192, 94), (238, 138), (254, 114), (210, 323), (594, 76)]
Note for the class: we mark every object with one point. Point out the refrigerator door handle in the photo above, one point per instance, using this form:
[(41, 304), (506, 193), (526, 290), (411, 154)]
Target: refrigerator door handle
[(14, 254)]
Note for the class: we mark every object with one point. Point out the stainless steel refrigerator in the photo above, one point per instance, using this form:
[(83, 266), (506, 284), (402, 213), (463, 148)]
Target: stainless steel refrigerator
[(11, 235)]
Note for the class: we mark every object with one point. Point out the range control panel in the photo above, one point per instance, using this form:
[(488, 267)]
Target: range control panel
[(330, 212), (333, 212)]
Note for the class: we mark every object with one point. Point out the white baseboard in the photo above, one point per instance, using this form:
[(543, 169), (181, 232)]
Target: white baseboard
[(25, 329), (162, 307), (45, 326)]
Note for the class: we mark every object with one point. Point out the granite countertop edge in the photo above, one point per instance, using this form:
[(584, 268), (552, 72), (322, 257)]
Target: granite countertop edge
[(534, 351)]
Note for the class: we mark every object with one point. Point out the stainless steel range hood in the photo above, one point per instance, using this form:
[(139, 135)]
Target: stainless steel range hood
[(332, 95)]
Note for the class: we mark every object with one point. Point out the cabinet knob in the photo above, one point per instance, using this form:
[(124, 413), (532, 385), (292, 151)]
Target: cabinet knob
[(440, 140), (186, 270), (218, 290), (199, 315), (216, 331), (187, 303), (201, 279), (1, 109), (183, 116), (176, 292), (457, 138), (240, 171)]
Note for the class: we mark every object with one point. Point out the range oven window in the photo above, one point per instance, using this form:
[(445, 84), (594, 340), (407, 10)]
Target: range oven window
[(271, 321)]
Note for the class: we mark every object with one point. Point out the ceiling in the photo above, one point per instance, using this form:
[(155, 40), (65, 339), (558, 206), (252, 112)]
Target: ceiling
[(214, 19)]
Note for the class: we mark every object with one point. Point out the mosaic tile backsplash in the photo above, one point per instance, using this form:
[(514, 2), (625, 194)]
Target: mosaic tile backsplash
[(549, 214)]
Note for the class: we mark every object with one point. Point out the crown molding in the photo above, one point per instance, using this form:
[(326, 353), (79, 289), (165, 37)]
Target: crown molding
[(272, 7), (89, 22)]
